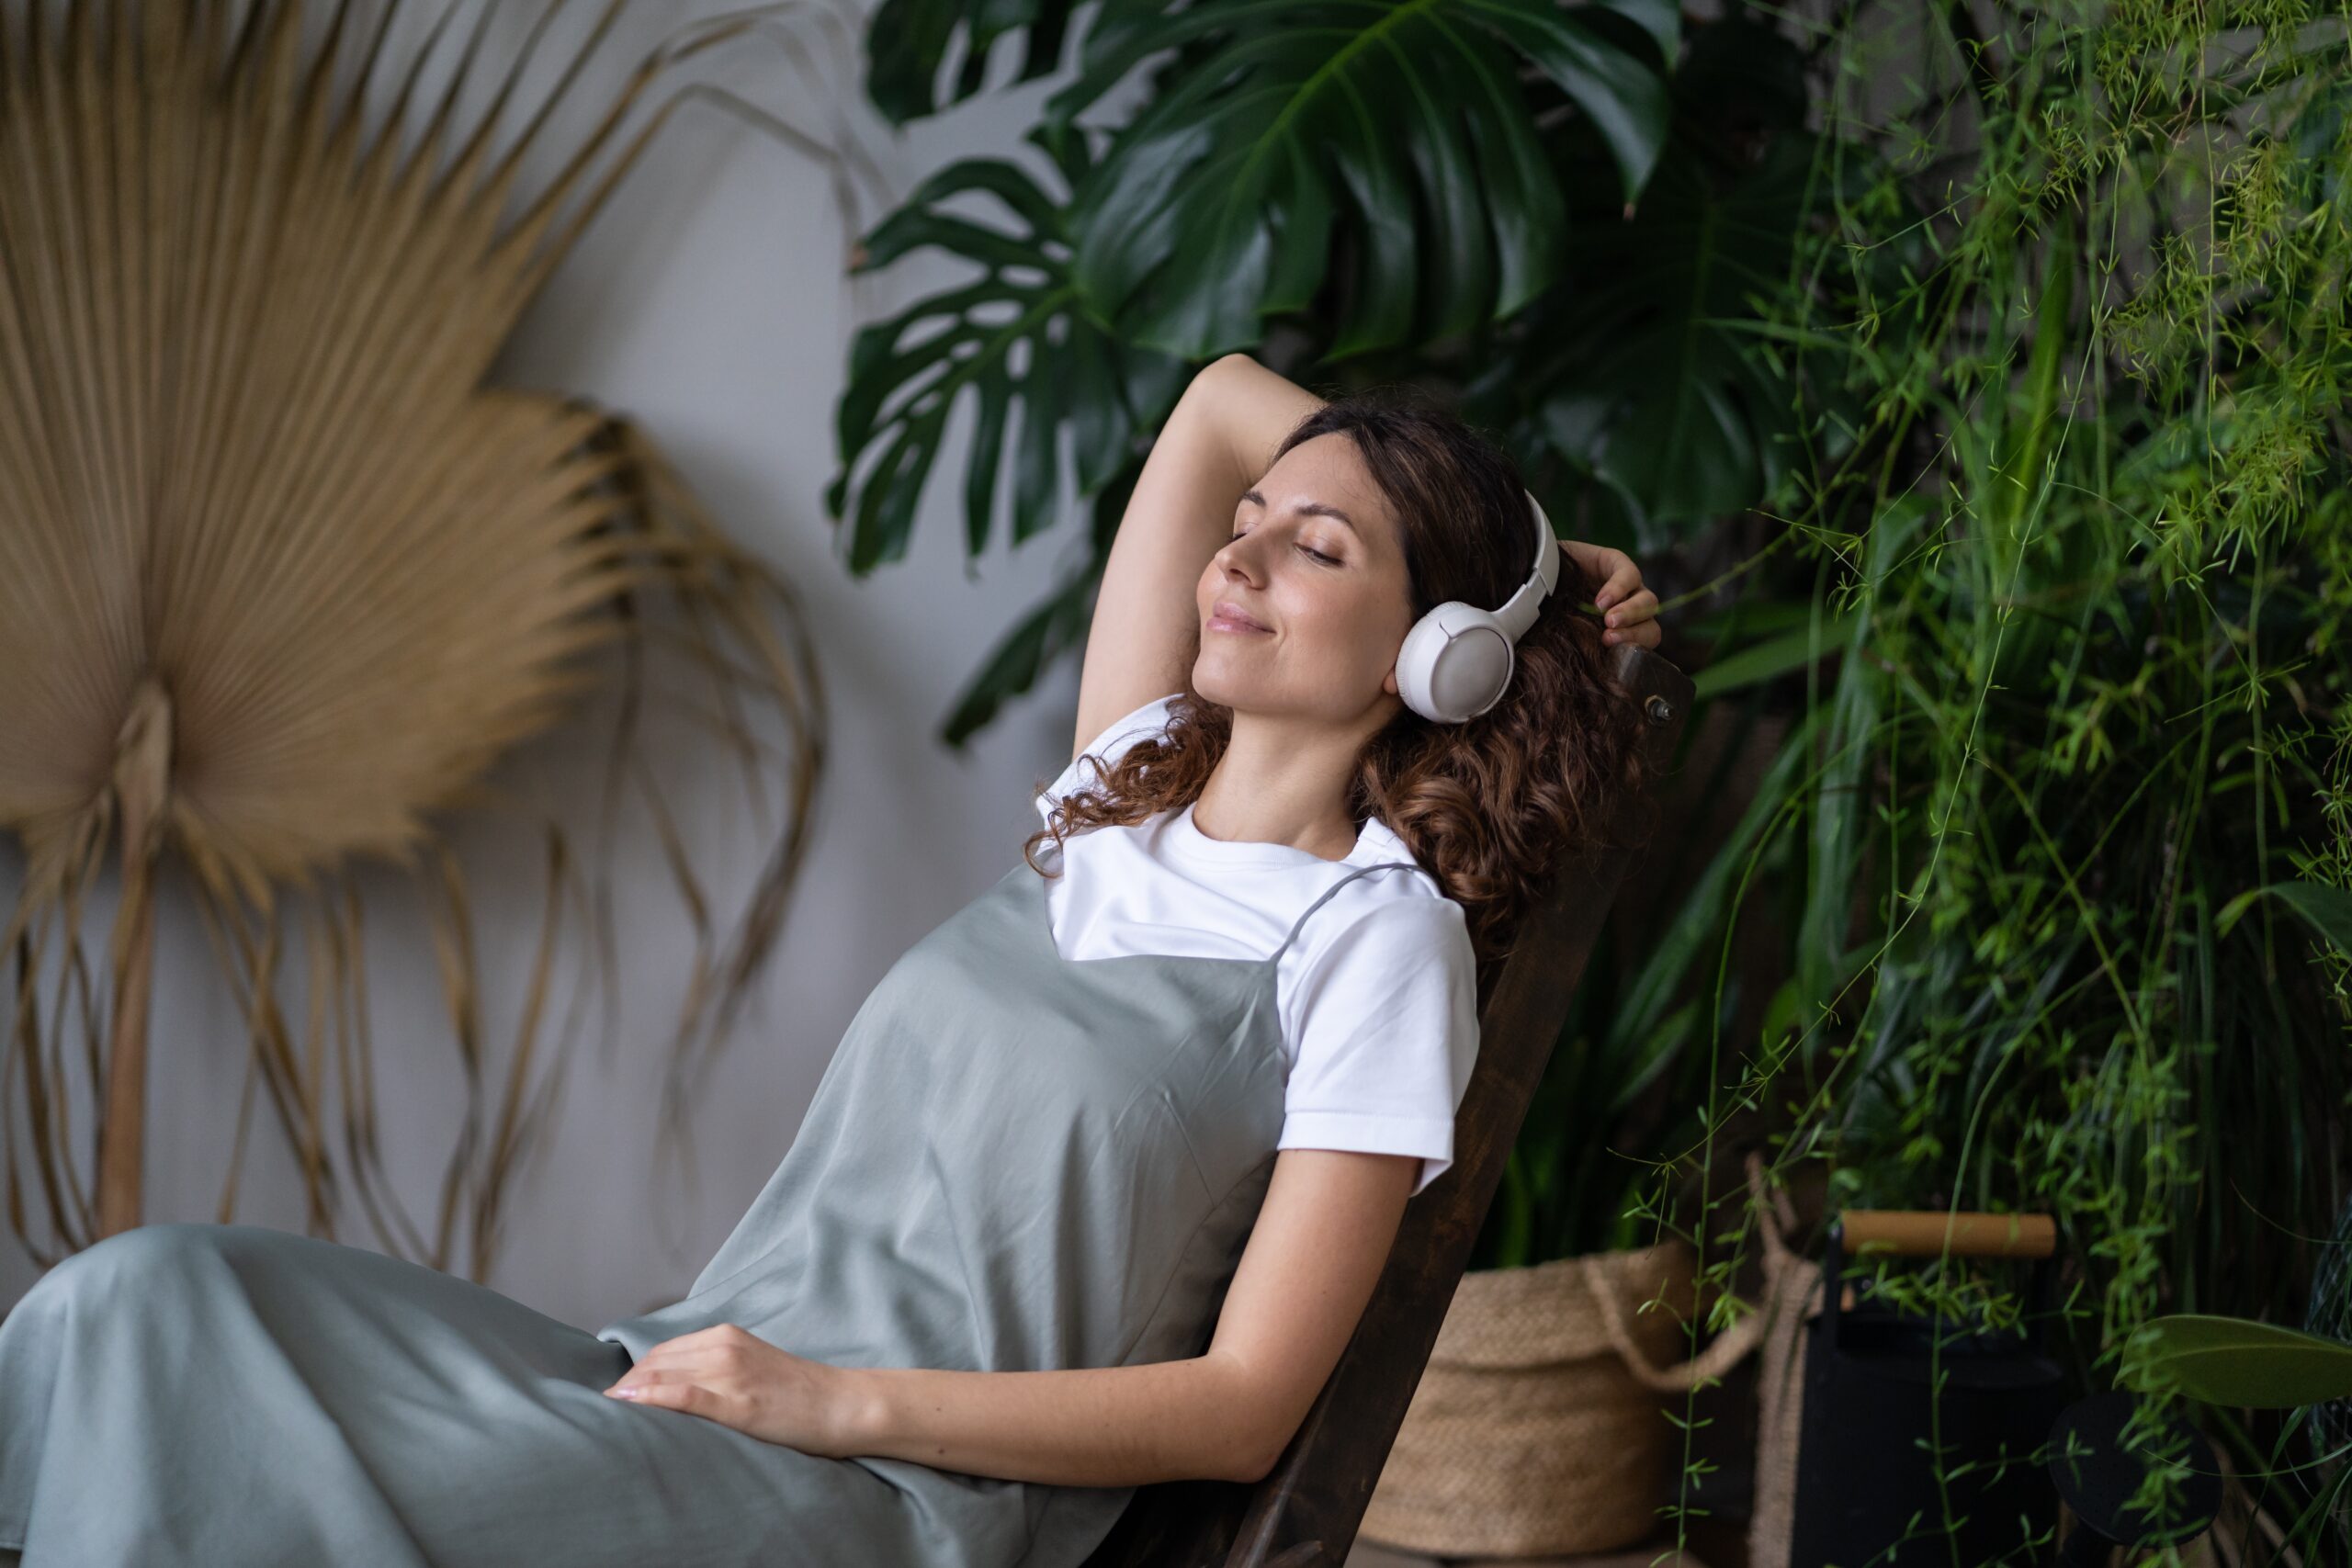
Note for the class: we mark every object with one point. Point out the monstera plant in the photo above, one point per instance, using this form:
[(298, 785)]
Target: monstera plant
[(1508, 198), (281, 576)]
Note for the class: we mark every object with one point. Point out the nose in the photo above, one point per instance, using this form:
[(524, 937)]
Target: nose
[(1233, 556)]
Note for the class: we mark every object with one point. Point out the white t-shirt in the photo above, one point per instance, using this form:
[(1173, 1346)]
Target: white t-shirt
[(1377, 995)]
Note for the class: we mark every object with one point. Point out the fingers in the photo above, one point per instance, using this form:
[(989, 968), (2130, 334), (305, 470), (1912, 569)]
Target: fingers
[(1633, 621), (675, 1390), (1628, 610), (702, 1349), (703, 1373), (1623, 578)]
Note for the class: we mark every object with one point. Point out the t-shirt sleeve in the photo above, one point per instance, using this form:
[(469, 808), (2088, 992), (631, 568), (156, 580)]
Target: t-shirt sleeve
[(1387, 1030), (1150, 719)]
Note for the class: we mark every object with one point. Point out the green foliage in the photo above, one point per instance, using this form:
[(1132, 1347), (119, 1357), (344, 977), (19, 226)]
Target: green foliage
[(908, 42), (2258, 1366), (2077, 487), (1391, 182), (1654, 380), (2329, 909), (1983, 368), (1019, 329), (1215, 206)]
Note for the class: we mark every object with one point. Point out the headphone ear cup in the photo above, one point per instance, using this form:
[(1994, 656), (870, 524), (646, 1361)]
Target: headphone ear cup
[(1454, 664)]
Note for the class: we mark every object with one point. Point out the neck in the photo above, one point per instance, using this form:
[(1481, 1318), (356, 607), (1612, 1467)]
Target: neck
[(1284, 780)]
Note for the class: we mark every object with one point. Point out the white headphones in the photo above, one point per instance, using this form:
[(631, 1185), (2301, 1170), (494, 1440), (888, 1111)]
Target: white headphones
[(1456, 662)]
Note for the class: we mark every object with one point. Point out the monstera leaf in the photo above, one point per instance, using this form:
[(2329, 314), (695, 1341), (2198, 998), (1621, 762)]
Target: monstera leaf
[(907, 40), (1016, 330), (1646, 368), (1654, 382), (1219, 203), (1054, 626)]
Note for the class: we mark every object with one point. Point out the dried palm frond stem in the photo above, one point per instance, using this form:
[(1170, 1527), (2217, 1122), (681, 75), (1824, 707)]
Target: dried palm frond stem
[(281, 577)]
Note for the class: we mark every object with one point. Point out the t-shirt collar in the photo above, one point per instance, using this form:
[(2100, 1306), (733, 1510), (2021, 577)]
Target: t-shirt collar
[(1184, 840)]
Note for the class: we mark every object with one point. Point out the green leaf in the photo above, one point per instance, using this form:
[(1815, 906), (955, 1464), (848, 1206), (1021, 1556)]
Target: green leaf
[(1017, 333), (2329, 909), (1650, 382), (1663, 365), (1841, 798), (2237, 1363), (1057, 623), (1691, 934), (1513, 1215), (1661, 20), (1773, 657), (906, 41), (1279, 121)]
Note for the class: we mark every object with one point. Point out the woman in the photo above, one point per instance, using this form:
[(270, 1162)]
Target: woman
[(1184, 1080)]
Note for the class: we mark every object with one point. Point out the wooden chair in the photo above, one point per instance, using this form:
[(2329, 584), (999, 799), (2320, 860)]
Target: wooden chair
[(1305, 1511)]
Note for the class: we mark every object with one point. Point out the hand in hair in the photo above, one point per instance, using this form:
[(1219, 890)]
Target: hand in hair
[(1629, 611)]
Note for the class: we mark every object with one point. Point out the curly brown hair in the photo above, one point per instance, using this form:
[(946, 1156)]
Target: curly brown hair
[(1491, 807)]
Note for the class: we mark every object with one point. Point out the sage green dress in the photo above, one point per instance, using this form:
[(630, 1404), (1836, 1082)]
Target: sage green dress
[(1015, 1160)]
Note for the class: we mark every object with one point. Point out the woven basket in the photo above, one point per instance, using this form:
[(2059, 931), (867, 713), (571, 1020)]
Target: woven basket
[(1538, 1429)]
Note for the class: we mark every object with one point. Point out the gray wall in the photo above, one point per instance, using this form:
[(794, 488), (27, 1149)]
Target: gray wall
[(708, 302)]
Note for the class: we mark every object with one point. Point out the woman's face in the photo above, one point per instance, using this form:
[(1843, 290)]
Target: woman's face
[(1317, 564)]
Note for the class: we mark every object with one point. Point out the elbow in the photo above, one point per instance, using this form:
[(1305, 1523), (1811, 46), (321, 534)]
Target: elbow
[(1255, 1461), (1247, 1435), (1254, 1469), (1226, 365)]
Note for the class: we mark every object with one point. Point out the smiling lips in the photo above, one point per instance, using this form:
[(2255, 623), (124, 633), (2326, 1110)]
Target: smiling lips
[(1227, 616)]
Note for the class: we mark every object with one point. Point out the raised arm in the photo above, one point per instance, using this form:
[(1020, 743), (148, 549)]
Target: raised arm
[(1218, 440)]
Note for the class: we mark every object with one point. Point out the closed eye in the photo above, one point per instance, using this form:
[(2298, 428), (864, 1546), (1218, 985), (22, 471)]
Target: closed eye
[(1318, 555)]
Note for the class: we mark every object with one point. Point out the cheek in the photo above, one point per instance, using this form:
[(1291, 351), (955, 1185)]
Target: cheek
[(1352, 626)]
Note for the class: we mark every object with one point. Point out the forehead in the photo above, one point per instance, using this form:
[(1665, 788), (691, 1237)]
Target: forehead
[(1327, 471)]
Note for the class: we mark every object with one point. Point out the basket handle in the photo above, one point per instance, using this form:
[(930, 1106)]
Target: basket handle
[(1778, 1219), (1722, 1353)]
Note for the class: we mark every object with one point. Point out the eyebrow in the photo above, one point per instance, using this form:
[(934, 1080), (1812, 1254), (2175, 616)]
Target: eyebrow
[(1309, 509)]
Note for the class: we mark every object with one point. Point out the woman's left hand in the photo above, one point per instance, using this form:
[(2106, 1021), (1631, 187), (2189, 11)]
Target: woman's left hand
[(739, 1379), (1629, 611)]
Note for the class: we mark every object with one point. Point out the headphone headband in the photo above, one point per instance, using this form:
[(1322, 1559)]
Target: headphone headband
[(1518, 612)]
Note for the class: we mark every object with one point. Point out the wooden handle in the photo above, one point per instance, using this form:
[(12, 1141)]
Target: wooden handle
[(1923, 1232)]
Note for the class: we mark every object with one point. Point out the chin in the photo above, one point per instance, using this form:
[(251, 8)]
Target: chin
[(1219, 685)]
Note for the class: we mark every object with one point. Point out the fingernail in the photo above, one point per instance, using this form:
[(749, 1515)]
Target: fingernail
[(1612, 620), (622, 1392)]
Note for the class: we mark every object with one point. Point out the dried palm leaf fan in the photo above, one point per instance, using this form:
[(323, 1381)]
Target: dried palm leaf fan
[(280, 576)]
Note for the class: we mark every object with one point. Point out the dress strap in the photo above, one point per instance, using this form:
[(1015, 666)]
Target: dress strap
[(1360, 871)]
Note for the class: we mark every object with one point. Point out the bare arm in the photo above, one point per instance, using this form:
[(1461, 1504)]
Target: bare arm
[(1306, 1274), (1321, 1236), (1219, 438)]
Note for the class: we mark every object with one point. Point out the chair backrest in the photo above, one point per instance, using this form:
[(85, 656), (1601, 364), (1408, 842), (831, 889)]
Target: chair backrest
[(1303, 1513)]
